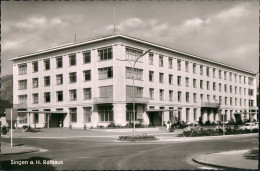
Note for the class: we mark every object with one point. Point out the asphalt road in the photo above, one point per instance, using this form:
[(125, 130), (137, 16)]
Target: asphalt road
[(105, 153)]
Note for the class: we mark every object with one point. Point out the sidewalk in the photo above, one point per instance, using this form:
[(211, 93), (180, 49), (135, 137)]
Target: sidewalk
[(228, 160), (6, 149)]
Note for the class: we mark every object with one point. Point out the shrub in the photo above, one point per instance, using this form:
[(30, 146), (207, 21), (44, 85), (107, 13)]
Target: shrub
[(207, 123), (111, 125), (200, 121), (4, 130), (25, 127), (143, 137)]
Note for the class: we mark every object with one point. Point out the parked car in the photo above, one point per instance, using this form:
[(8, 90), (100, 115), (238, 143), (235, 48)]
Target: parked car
[(250, 126)]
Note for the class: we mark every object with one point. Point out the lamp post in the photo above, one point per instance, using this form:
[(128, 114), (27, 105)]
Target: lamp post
[(250, 115), (133, 94)]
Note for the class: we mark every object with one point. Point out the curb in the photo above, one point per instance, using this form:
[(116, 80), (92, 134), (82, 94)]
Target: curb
[(25, 152), (219, 166)]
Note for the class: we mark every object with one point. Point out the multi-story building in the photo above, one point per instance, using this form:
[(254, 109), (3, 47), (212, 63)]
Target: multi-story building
[(91, 83)]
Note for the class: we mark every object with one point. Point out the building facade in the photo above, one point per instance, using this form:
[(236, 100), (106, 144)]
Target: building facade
[(91, 83)]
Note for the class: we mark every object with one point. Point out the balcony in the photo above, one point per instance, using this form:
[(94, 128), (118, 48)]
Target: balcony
[(18, 106), (100, 100), (210, 104), (137, 100)]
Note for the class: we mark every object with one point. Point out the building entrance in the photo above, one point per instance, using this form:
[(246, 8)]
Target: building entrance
[(54, 120), (155, 118)]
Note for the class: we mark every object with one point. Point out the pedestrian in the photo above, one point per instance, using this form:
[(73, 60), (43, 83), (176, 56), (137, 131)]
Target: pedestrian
[(168, 126), (60, 125), (85, 127)]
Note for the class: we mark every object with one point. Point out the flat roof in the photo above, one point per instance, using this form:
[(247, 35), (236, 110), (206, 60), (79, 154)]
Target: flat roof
[(49, 112), (71, 45)]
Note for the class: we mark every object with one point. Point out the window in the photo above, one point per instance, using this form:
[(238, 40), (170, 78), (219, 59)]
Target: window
[(235, 77), (151, 93), (195, 114), (150, 58), (214, 72), (186, 66), (138, 73), (59, 62), (35, 66), (201, 69), (87, 114), (220, 100), (225, 75), (250, 92), (59, 79), (73, 95), (194, 68), (195, 97), (72, 59), (170, 95), (244, 91), (208, 98), (239, 78), (130, 112), (133, 54), (225, 88), (138, 91), (240, 90), (236, 101), (235, 89), (240, 100), (194, 83), (225, 100), (106, 54), (250, 81), (47, 97), (87, 93), (250, 102), (219, 87), (161, 94), (73, 77), (187, 81), (170, 79), (179, 64), (151, 76), (208, 87), (59, 95), (179, 80), (208, 71), (73, 114), (219, 74), (22, 69), (22, 84), (170, 62), (187, 97), (230, 76), (106, 91), (105, 113), (161, 77), (245, 102), (179, 114), (214, 98), (35, 98), (160, 60), (201, 98), (47, 81), (179, 96), (201, 84), (214, 86), (244, 79), (46, 64), (104, 73), (87, 75), (86, 57), (187, 114), (231, 101)]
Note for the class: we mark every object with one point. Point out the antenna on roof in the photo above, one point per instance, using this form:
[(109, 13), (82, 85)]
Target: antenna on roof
[(114, 19)]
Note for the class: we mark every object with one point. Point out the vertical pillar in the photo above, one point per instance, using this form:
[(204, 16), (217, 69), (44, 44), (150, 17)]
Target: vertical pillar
[(205, 115), (183, 114), (166, 116), (211, 116), (120, 113)]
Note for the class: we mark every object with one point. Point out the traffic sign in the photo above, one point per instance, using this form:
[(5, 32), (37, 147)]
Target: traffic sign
[(8, 114)]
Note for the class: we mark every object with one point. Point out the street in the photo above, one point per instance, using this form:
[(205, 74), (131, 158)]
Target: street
[(94, 153)]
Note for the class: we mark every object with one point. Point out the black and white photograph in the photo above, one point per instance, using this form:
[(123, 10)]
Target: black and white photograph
[(129, 85)]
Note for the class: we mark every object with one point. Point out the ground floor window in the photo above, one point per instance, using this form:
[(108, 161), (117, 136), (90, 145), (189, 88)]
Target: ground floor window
[(22, 118), (73, 114), (179, 114), (87, 114), (188, 114), (195, 114), (105, 113), (36, 118), (129, 113)]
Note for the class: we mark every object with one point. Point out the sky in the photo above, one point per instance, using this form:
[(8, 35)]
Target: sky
[(224, 31)]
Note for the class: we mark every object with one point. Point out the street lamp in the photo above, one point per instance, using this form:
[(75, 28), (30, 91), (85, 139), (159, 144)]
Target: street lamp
[(133, 94), (250, 107)]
